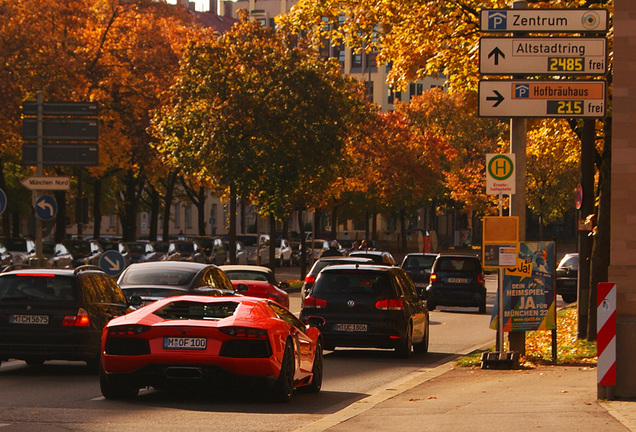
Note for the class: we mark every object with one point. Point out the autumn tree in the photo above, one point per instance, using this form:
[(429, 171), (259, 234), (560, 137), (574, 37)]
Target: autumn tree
[(263, 119)]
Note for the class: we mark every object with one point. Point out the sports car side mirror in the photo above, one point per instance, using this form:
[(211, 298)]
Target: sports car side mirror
[(315, 321)]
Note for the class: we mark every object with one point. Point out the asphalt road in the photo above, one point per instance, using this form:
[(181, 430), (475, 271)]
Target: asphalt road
[(65, 396)]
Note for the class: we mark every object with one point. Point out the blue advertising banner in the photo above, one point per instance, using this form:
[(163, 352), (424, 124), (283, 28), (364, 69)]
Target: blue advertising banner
[(529, 295)]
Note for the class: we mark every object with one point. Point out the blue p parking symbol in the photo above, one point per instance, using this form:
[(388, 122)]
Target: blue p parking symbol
[(522, 91), (497, 20)]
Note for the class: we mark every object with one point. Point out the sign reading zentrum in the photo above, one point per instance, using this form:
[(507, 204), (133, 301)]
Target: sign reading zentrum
[(542, 98), (542, 56), (544, 20)]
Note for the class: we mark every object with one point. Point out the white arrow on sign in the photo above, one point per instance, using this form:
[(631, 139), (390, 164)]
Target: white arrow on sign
[(46, 206), (114, 265), (47, 183)]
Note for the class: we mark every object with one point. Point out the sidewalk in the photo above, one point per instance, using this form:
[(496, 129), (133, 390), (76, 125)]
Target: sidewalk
[(550, 398)]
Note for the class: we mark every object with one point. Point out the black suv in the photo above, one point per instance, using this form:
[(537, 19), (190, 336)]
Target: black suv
[(56, 314), (457, 280), (367, 305)]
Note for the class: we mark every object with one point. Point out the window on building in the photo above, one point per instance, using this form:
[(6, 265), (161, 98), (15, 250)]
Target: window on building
[(393, 96), (356, 60)]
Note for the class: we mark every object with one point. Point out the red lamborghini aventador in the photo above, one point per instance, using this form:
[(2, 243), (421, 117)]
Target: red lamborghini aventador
[(195, 339)]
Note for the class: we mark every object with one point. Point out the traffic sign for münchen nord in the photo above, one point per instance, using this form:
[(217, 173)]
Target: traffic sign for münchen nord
[(47, 183), (542, 56), (544, 20), (500, 170), (542, 98)]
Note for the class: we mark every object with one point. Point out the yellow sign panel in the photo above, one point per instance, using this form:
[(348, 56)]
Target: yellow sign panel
[(501, 229)]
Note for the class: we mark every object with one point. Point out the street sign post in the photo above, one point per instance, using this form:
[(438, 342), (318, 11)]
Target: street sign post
[(47, 183), (45, 207), (544, 20), (542, 98), (112, 262), (500, 170), (542, 56)]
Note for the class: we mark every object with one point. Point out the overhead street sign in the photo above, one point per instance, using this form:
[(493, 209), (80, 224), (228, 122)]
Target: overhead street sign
[(47, 183), (81, 154), (542, 56), (60, 129), (542, 98), (79, 109), (544, 20)]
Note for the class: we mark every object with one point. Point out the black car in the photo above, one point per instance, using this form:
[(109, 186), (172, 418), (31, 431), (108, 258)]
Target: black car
[(457, 280), (74, 253), (152, 281), (320, 264), (56, 314), (379, 257), (213, 249), (566, 277), (368, 306), (418, 267)]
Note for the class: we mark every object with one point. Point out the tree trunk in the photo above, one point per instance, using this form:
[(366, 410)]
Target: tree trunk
[(167, 203), (334, 222), (154, 214), (60, 218), (232, 233), (403, 230), (303, 245), (97, 208), (6, 221), (272, 242)]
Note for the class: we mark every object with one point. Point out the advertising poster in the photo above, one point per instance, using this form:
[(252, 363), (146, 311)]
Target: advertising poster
[(529, 295)]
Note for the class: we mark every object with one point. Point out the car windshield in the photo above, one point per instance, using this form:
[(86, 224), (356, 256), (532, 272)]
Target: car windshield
[(246, 275), (186, 310), (136, 248), (16, 245), (108, 245), (48, 248), (278, 243), (353, 282), (205, 242), (184, 247), (419, 262), (78, 247), (157, 276), (160, 246), (570, 261), (247, 240), (41, 287)]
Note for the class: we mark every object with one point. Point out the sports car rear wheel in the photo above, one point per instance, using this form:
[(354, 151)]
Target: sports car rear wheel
[(316, 371), (284, 386), (116, 387)]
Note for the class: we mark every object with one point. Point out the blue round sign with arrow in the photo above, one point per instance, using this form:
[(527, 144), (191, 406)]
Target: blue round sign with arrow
[(45, 207), (112, 262), (3, 201)]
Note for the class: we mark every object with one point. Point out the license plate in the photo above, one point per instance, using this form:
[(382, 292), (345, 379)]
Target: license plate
[(351, 327), (29, 319), (458, 280), (184, 343)]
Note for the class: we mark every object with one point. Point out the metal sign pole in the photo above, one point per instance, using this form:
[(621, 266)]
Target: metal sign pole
[(500, 309), (39, 171)]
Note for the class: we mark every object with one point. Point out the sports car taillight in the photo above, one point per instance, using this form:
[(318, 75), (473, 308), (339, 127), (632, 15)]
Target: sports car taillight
[(244, 332), (389, 304), (80, 320), (127, 330), (314, 302)]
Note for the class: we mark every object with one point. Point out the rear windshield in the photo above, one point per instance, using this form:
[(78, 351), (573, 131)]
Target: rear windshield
[(154, 276), (246, 275), (185, 310), (458, 265), (353, 282), (45, 287), (419, 262)]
